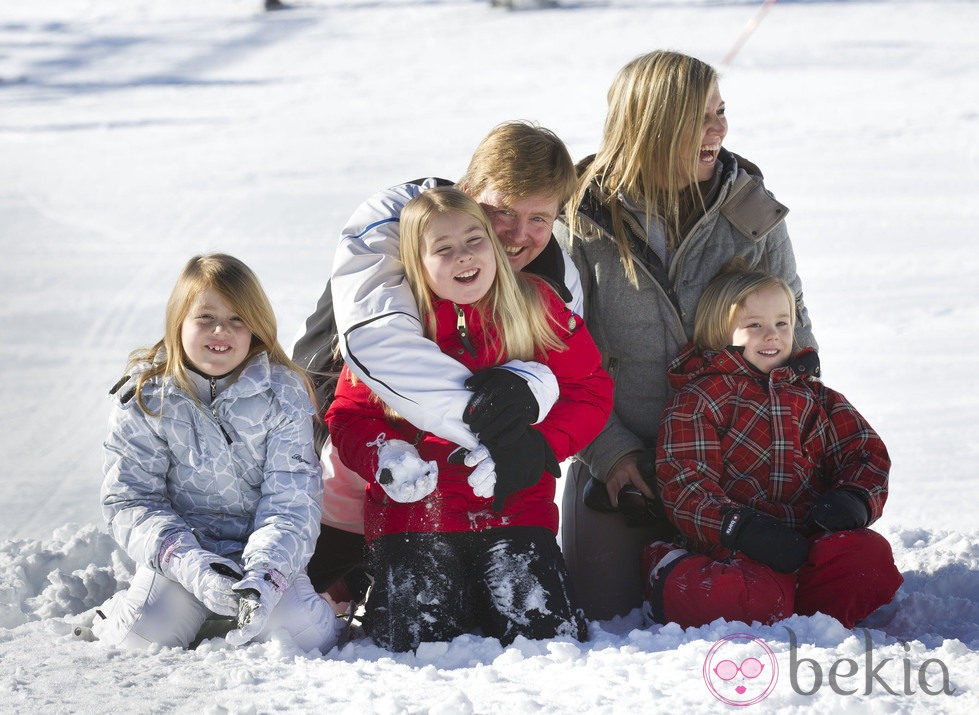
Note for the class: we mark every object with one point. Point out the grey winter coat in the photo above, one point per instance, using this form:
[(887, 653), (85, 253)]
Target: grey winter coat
[(242, 478), (640, 331)]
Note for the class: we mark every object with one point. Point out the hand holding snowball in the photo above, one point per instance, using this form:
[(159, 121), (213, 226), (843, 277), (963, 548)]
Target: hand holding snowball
[(402, 473)]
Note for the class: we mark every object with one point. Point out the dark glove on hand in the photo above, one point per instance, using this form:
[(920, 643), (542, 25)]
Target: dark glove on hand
[(637, 509), (502, 403), (520, 463), (765, 539), (839, 510)]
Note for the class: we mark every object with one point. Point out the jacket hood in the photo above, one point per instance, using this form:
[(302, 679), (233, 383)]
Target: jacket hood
[(690, 365)]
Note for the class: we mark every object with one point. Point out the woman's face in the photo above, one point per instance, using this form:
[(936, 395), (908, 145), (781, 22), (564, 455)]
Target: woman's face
[(715, 129)]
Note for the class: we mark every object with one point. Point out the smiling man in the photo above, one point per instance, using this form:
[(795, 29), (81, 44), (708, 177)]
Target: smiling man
[(521, 175)]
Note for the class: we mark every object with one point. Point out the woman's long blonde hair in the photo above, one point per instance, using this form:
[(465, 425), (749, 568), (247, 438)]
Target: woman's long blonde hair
[(721, 300), (656, 108), (513, 302), (238, 285)]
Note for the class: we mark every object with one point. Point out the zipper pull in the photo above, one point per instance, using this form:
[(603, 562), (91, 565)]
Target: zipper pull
[(214, 410), (217, 419), (463, 331)]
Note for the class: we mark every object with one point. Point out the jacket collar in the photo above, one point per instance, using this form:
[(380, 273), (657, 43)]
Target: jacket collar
[(549, 265), (690, 365), (447, 318), (255, 377)]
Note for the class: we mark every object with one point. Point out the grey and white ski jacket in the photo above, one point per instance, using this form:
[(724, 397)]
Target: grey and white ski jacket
[(380, 332), (243, 478), (640, 330)]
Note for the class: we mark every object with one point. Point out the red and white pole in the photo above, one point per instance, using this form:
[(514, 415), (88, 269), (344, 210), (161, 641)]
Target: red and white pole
[(746, 32)]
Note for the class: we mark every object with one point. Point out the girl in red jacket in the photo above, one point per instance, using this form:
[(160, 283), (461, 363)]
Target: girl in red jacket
[(455, 548), (770, 476)]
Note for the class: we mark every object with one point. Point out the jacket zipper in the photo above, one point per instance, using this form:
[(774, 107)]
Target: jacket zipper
[(643, 234), (674, 268), (668, 292), (723, 194), (214, 410), (463, 331)]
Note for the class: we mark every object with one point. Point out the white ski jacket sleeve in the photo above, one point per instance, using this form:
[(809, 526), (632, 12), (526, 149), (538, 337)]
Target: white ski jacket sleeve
[(380, 332)]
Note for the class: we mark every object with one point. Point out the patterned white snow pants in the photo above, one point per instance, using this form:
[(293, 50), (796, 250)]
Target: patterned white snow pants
[(155, 609)]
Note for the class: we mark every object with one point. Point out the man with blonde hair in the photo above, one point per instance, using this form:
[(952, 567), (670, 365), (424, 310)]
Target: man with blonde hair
[(522, 175)]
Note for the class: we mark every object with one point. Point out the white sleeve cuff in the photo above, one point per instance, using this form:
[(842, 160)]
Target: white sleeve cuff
[(541, 382)]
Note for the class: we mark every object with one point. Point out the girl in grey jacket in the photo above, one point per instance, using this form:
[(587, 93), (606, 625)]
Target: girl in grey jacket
[(211, 482), (660, 209)]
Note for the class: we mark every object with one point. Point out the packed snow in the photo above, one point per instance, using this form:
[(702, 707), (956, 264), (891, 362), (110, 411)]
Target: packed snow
[(136, 133)]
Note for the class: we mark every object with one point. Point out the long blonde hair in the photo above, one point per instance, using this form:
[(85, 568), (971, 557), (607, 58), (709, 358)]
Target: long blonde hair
[(721, 300), (238, 285), (656, 108), (513, 302)]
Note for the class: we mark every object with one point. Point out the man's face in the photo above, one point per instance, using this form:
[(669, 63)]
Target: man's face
[(524, 224)]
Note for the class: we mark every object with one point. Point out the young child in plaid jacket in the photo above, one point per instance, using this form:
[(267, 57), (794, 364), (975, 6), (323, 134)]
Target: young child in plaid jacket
[(770, 476)]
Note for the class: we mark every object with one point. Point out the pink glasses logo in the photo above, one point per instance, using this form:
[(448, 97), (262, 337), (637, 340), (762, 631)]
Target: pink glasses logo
[(740, 670)]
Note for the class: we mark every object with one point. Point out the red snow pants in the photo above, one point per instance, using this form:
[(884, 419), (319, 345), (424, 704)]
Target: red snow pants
[(848, 575)]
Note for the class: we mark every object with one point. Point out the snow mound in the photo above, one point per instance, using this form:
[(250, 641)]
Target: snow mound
[(75, 570)]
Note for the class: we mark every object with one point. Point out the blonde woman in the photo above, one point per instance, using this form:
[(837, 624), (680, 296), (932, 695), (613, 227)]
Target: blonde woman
[(660, 209), (211, 483), (454, 548)]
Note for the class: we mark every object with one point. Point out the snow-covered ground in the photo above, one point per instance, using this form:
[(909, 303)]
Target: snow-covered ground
[(134, 133)]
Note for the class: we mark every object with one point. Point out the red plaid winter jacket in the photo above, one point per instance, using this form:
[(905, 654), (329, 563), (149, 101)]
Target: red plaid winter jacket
[(733, 436), (357, 417)]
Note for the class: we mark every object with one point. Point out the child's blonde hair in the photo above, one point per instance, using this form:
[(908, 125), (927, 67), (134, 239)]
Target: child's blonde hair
[(238, 285), (513, 302), (724, 296), (521, 159), (655, 114)]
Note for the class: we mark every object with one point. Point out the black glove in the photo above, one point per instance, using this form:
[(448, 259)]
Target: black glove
[(839, 510), (637, 509), (502, 405), (520, 463), (765, 539)]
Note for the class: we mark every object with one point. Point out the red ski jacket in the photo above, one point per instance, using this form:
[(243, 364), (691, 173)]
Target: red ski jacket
[(733, 436), (357, 417)]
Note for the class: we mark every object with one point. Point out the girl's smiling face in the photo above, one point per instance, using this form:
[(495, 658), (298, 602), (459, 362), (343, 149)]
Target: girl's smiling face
[(763, 326), (215, 339), (457, 255)]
